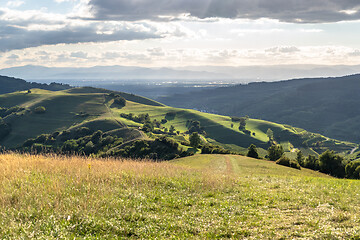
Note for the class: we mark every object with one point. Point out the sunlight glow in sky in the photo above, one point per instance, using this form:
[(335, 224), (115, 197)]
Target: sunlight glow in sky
[(160, 33)]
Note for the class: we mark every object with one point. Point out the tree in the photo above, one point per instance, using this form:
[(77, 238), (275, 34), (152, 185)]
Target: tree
[(275, 152), (311, 162), (252, 151), (242, 123), (300, 158), (120, 101), (95, 138), (285, 161), (148, 127), (40, 109), (172, 129), (352, 169), (270, 134), (194, 140), (332, 164)]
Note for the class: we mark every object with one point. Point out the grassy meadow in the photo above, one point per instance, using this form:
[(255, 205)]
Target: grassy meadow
[(58, 197)]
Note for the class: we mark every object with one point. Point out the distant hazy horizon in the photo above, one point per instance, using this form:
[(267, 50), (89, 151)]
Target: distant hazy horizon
[(192, 74)]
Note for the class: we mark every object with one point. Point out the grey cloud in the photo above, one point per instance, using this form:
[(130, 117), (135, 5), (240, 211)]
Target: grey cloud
[(355, 53), (156, 52), (12, 37), (79, 55), (305, 11), (111, 55), (283, 49), (13, 57)]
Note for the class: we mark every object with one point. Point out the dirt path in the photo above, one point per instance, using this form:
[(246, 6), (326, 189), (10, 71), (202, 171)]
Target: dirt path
[(352, 151), (229, 166)]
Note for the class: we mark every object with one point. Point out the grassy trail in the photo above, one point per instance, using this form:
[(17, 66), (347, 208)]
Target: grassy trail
[(200, 197)]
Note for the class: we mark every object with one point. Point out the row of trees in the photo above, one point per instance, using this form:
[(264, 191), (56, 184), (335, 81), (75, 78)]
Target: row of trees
[(328, 162), (87, 142)]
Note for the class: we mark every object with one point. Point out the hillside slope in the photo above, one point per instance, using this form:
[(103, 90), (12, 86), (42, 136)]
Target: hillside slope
[(64, 110), (9, 84), (324, 105), (95, 109)]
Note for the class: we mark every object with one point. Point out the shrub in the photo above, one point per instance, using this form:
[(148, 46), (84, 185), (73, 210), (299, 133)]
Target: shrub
[(352, 169), (300, 158), (311, 162), (170, 115), (211, 149), (247, 132), (331, 163), (194, 140), (252, 151), (275, 152), (285, 161), (82, 131), (95, 138), (40, 110), (120, 101)]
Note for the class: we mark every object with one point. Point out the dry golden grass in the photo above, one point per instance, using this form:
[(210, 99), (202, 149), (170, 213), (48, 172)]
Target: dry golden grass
[(58, 197)]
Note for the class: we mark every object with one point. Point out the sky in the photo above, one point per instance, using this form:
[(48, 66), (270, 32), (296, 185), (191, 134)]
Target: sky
[(177, 33)]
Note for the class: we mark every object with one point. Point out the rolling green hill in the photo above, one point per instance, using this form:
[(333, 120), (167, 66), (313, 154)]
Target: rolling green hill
[(324, 105), (9, 84), (69, 110)]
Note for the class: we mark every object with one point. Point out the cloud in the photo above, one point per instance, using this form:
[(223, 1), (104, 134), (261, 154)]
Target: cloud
[(15, 4), (24, 29), (355, 53), (13, 57), (79, 55), (12, 37), (290, 49), (304, 11)]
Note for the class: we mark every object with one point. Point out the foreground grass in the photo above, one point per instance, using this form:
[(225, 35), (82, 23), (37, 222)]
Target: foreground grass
[(58, 197)]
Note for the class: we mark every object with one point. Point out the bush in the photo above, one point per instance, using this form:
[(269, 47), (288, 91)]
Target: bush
[(300, 158), (275, 152), (285, 161), (252, 152), (40, 110), (331, 163), (170, 115), (211, 149), (247, 132), (352, 169), (311, 162), (194, 140), (120, 101)]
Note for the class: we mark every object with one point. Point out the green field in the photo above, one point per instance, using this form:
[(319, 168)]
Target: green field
[(243, 166), (200, 197)]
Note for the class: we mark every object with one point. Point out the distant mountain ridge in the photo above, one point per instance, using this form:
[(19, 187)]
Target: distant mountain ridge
[(239, 74), (105, 73), (10, 84), (329, 106)]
